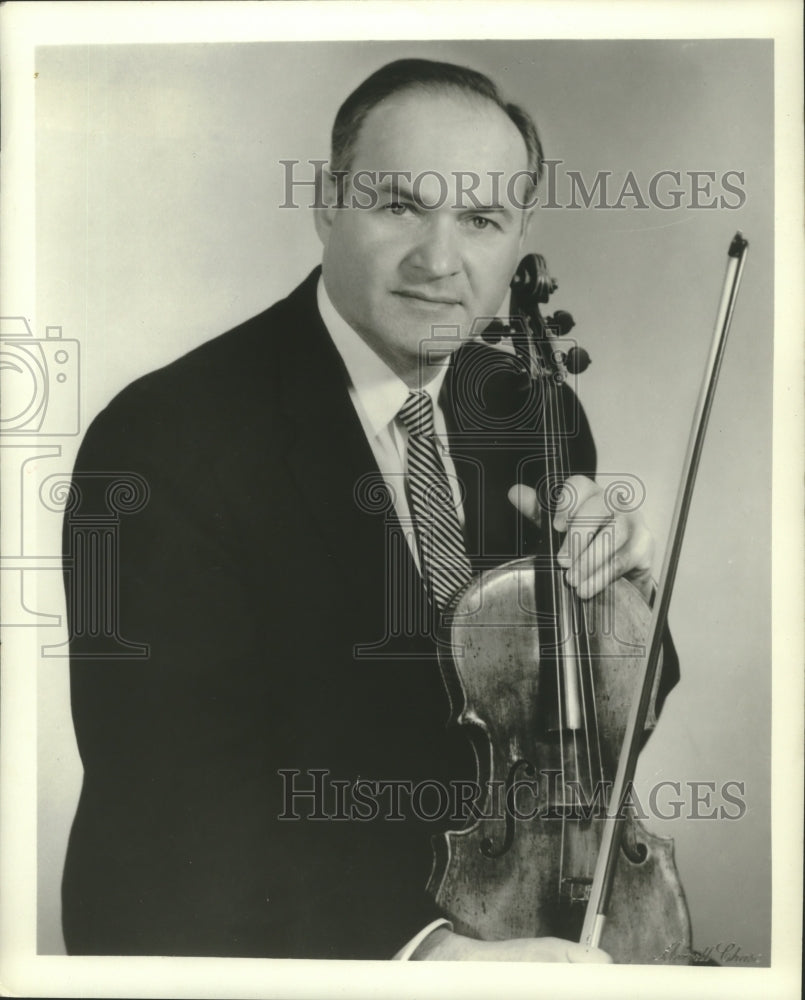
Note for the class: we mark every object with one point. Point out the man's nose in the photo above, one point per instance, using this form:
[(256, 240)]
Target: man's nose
[(436, 253)]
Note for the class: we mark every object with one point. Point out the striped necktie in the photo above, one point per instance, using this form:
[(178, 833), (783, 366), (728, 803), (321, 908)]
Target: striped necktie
[(445, 566)]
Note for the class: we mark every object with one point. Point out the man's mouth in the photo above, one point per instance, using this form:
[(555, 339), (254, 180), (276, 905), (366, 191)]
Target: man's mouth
[(445, 300)]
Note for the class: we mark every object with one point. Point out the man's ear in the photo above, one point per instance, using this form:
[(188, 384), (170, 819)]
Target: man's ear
[(323, 217)]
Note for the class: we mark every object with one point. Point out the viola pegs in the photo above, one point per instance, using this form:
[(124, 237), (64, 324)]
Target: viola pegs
[(563, 322), (577, 360)]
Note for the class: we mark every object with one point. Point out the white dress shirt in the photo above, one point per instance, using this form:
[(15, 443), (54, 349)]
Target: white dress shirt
[(378, 395)]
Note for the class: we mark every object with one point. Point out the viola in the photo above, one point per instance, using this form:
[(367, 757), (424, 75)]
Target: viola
[(556, 694)]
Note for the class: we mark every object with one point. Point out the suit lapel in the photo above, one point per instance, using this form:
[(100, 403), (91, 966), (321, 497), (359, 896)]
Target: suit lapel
[(327, 454)]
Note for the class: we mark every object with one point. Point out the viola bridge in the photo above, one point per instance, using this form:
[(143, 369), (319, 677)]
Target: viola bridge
[(575, 890)]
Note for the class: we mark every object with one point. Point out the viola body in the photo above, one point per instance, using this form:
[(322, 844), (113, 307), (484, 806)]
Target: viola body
[(521, 869)]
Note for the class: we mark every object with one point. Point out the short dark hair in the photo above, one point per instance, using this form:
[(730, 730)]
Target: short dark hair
[(426, 75)]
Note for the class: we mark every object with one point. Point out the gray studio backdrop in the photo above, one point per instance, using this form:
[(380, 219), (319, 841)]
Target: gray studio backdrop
[(158, 226)]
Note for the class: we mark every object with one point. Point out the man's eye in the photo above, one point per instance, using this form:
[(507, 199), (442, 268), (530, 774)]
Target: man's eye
[(397, 208), (482, 222)]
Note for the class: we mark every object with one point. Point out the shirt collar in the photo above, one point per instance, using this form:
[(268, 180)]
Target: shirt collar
[(380, 392)]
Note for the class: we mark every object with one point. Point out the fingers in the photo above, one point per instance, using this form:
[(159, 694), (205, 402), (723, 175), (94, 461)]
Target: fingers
[(552, 949), (575, 494), (621, 547), (525, 500), (600, 545), (444, 945), (581, 953), (581, 508)]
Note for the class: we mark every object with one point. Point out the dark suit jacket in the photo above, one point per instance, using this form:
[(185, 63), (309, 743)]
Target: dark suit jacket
[(262, 558)]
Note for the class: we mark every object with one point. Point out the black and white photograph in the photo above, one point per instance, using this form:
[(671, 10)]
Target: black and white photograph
[(402, 483)]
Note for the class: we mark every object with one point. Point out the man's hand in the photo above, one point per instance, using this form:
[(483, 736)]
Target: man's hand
[(601, 544), (445, 946)]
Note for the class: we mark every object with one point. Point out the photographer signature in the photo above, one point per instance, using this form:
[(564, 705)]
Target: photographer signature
[(723, 953)]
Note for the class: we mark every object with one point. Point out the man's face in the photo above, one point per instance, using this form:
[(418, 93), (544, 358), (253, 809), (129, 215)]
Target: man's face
[(440, 252)]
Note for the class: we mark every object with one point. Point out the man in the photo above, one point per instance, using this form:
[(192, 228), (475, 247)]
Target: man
[(268, 577)]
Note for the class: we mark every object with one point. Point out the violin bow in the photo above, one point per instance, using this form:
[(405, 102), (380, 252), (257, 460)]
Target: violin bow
[(597, 906)]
